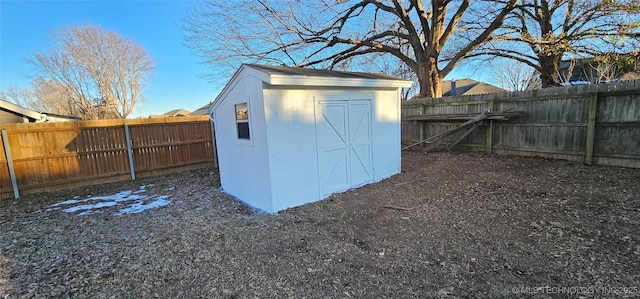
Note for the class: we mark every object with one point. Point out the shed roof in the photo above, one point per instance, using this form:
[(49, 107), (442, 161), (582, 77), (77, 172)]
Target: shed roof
[(300, 71), (298, 76)]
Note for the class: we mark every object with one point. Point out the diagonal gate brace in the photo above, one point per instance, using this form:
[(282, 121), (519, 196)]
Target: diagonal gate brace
[(438, 139), (477, 124)]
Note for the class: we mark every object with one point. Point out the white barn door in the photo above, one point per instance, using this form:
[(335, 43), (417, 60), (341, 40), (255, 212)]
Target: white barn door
[(360, 142), (343, 131)]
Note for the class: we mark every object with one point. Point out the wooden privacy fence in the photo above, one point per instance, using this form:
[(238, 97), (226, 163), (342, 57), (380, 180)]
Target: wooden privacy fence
[(594, 124), (39, 157)]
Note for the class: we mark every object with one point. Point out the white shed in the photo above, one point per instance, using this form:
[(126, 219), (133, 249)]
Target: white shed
[(287, 136)]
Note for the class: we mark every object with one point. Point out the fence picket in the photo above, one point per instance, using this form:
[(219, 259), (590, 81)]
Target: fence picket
[(558, 123), (56, 156)]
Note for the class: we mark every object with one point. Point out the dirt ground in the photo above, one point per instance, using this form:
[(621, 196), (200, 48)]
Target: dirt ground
[(459, 225)]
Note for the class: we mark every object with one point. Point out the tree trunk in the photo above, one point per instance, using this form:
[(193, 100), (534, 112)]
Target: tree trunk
[(429, 79), (550, 76)]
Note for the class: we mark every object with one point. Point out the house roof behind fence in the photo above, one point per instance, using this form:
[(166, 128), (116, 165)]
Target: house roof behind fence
[(200, 111), (467, 87), (33, 115)]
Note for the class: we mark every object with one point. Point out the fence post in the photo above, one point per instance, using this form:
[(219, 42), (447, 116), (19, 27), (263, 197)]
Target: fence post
[(129, 151), (488, 141), (591, 129), (12, 172), (421, 124), (213, 143)]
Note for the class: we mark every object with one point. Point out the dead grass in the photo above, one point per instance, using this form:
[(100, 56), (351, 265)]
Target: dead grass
[(460, 225)]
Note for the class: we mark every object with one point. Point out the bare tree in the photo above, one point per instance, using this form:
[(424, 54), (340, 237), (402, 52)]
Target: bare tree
[(514, 75), (541, 33), (53, 97), (47, 96), (610, 67), (390, 65), (100, 73), (430, 39), (22, 97)]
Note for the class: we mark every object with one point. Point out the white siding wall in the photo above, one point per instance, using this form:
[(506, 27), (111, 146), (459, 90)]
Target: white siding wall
[(291, 138), (244, 168), (386, 134)]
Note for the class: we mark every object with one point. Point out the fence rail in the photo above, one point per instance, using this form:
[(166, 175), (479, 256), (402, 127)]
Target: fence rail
[(594, 124), (40, 157)]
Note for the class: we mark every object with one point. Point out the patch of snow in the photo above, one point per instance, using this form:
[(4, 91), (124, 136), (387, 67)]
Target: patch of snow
[(91, 207), (170, 189), (139, 206), (66, 202), (89, 212), (136, 203), (141, 190), (120, 196)]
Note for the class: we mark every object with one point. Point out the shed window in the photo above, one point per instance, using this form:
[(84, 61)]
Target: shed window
[(242, 121)]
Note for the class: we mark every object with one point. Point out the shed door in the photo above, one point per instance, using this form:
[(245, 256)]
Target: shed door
[(343, 131), (360, 142)]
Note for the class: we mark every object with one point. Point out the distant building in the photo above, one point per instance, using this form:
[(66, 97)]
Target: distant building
[(177, 113), (12, 113), (467, 87), (614, 67), (200, 111), (173, 113)]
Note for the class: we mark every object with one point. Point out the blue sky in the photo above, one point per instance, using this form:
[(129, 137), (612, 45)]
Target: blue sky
[(177, 81)]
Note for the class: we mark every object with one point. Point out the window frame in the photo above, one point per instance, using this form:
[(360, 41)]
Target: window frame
[(243, 141)]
